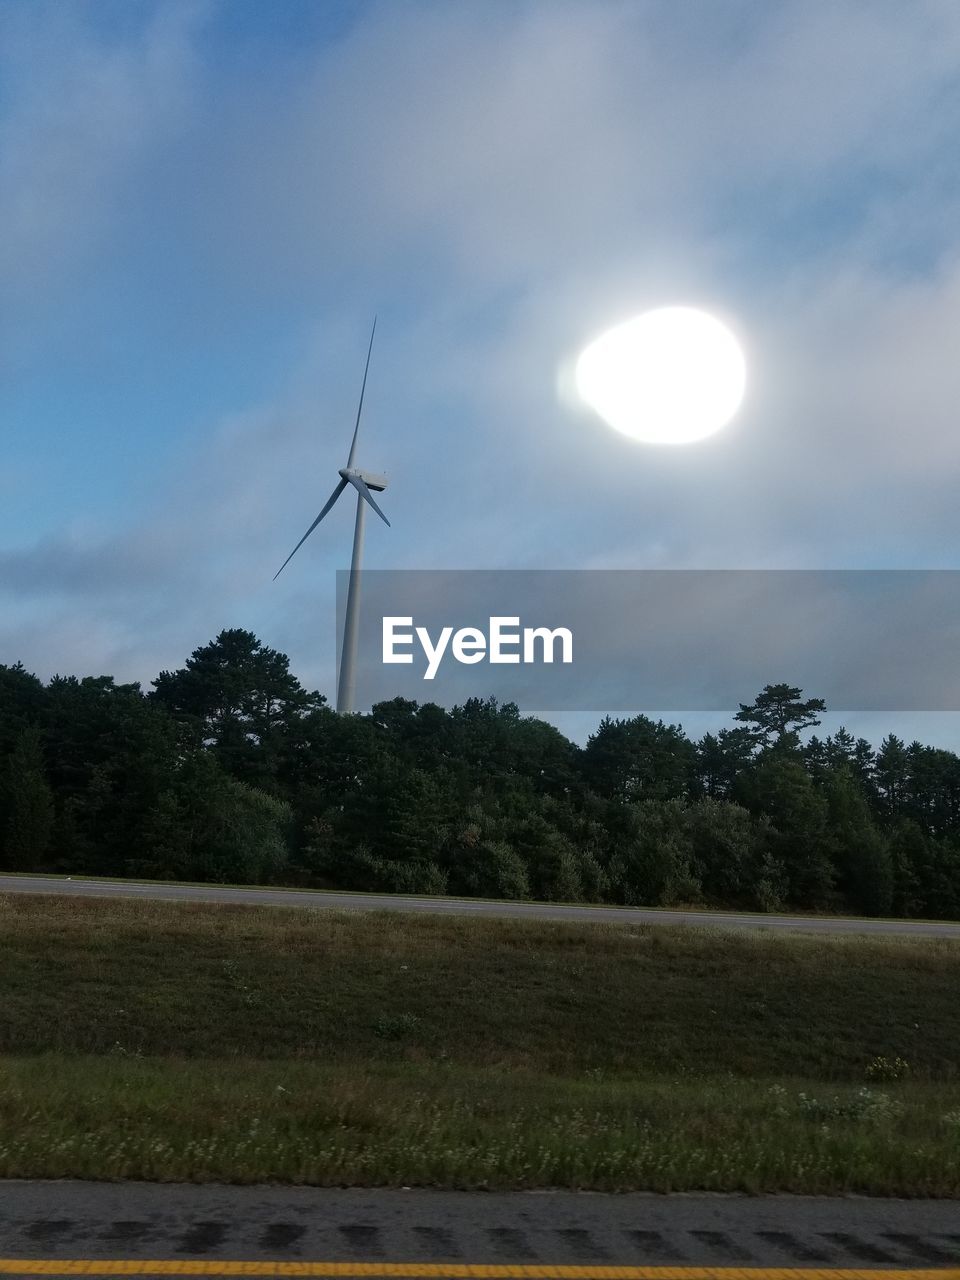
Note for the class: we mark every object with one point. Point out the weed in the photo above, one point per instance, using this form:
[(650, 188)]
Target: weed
[(404, 1124), (886, 1069), (396, 1026), (865, 1105)]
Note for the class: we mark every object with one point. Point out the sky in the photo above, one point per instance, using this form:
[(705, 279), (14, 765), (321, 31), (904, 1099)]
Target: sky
[(204, 203)]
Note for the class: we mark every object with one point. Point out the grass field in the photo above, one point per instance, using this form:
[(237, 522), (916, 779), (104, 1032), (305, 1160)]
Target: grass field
[(247, 1044)]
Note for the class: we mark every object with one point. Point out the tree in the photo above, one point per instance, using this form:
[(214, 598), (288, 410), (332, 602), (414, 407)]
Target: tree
[(421, 735), (860, 853), (110, 753), (402, 811), (238, 697), (652, 865), (22, 700), (926, 872), (933, 789), (839, 748), (484, 868), (28, 805), (778, 715), (782, 790), (231, 770), (912, 861), (731, 856), (892, 774), (550, 859), (637, 759), (864, 766), (723, 760), (208, 826)]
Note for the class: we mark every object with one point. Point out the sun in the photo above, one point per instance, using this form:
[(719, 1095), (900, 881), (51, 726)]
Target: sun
[(668, 376)]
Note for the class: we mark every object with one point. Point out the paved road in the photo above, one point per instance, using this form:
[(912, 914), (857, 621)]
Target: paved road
[(454, 906), (66, 1222)]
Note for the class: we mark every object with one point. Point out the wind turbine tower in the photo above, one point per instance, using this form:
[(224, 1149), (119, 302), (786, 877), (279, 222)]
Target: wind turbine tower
[(363, 482)]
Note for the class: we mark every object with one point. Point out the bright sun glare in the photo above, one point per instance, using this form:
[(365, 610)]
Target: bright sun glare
[(666, 377)]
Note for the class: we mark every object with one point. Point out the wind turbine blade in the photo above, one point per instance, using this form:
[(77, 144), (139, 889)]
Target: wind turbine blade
[(329, 503), (353, 445), (364, 492)]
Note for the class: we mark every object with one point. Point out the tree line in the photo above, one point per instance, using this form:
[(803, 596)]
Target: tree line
[(228, 770)]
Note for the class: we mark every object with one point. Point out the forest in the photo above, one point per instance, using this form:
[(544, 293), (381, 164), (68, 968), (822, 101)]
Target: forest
[(228, 770)]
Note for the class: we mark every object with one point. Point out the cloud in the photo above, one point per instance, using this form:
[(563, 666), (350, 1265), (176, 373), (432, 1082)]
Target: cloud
[(63, 565), (515, 181), (83, 114), (511, 144), (500, 181)]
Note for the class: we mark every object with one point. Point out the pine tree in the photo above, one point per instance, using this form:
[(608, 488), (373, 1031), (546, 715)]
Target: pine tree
[(782, 790), (860, 853), (778, 714), (29, 805)]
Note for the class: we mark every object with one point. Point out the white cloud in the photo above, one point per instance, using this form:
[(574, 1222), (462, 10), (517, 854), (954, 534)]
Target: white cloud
[(509, 145), (81, 116), (505, 179)]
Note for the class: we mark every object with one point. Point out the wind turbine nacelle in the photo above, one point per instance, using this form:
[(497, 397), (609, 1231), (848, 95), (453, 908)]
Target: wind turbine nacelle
[(370, 478)]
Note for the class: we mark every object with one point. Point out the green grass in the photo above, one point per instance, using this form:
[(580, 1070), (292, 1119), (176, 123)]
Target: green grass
[(230, 1043), (407, 1125), (81, 975)]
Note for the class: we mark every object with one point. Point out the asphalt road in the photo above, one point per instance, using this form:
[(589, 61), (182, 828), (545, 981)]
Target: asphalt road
[(476, 907), (446, 1232)]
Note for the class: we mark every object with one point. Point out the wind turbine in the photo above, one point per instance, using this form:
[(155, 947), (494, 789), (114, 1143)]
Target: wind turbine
[(363, 482)]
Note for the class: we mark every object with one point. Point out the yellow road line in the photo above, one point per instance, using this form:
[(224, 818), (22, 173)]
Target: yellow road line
[(448, 1270)]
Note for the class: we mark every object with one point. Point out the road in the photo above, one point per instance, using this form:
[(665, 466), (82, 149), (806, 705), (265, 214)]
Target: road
[(476, 907), (69, 1226)]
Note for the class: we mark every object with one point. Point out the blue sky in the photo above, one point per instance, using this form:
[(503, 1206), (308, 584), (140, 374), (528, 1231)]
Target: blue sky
[(203, 204)]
